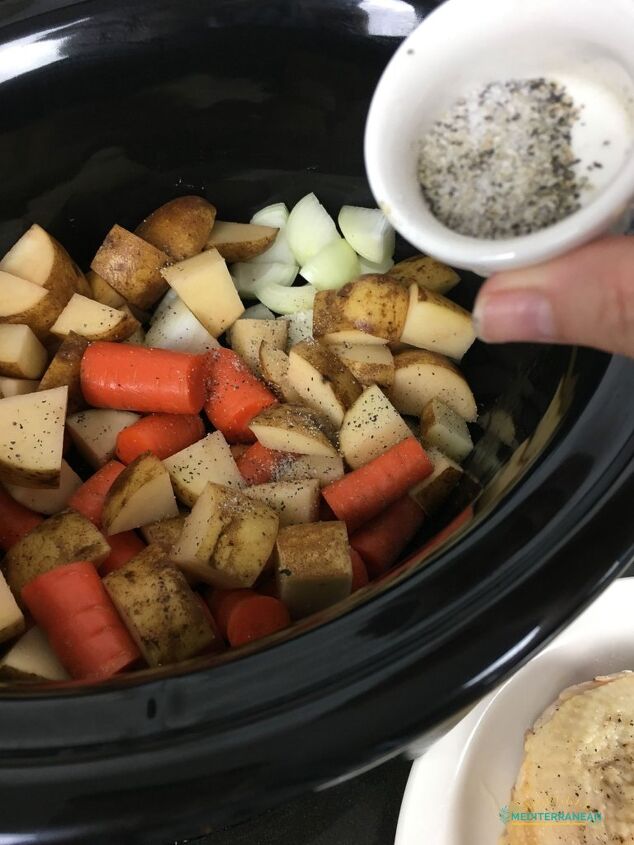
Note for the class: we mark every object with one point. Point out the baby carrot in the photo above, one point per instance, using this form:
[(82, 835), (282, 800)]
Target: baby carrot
[(381, 541), (161, 434), (256, 617), (222, 602), (135, 378)]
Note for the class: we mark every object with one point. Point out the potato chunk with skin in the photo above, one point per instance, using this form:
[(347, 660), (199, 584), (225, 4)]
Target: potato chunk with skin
[(274, 369), (322, 381), (442, 427), (142, 493), (94, 321), (164, 533), (180, 228), (294, 501), (437, 324), (64, 369), (426, 272), (17, 386), (209, 459), (21, 353), (293, 428), (32, 659), (240, 241), (227, 538), (11, 618), (159, 610), (94, 433), (372, 364), (63, 538), (312, 566), (26, 303), (48, 501), (102, 292), (371, 309), (323, 468), (131, 266), (247, 336), (421, 376), (370, 427), (432, 492)]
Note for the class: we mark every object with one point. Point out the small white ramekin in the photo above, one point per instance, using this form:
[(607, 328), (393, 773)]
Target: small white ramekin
[(465, 43)]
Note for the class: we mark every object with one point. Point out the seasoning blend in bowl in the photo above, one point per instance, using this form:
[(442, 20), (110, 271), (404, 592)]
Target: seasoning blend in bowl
[(501, 134)]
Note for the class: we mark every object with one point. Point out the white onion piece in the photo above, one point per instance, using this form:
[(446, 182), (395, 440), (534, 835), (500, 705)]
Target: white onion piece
[(284, 300), (175, 327), (371, 267), (300, 327), (309, 228), (332, 267), (279, 252), (368, 232), (257, 312), (275, 215), (170, 297), (246, 276)]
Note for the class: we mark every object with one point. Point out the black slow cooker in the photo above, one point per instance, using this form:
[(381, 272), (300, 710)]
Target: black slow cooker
[(107, 110)]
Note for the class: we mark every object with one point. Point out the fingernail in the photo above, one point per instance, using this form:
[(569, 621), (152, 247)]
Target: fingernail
[(507, 315)]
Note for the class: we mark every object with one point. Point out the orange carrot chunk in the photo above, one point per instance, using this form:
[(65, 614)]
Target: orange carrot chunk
[(381, 542), (359, 571), (222, 602), (72, 607), (135, 378), (15, 521), (234, 395), (123, 547), (256, 617), (161, 434), (258, 464), (89, 498), (362, 494)]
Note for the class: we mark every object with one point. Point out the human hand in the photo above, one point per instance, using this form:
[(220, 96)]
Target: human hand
[(584, 298)]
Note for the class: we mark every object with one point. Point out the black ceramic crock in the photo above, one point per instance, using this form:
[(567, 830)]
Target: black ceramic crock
[(108, 109)]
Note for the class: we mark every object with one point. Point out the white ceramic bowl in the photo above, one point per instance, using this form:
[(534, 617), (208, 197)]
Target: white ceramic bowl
[(462, 45), (455, 792)]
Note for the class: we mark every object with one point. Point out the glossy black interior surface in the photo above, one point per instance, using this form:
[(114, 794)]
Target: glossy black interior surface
[(109, 109)]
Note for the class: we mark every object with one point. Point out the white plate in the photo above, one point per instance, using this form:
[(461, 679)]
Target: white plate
[(455, 791)]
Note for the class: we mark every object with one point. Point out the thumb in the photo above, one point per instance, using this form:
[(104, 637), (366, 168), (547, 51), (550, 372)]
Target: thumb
[(585, 298)]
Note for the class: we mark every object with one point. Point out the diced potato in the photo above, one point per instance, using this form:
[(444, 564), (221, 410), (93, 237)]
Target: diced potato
[(323, 468), (48, 501), (206, 287), (293, 501), (11, 618), (164, 533), (175, 327), (180, 228), (437, 324), (94, 321), (64, 369), (17, 386), (95, 433), (27, 303), (102, 292), (421, 376), (433, 491), (426, 272), (300, 326), (63, 538), (131, 266), (32, 438), (141, 494), (240, 241), (39, 258), (209, 459), (444, 429), (293, 428), (370, 427), (159, 610), (246, 337), (32, 659), (322, 381), (227, 538), (371, 309), (274, 369), (21, 353), (312, 566), (371, 364)]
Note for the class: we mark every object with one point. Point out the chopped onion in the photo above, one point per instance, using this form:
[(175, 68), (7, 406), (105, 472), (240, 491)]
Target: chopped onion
[(371, 267), (257, 312), (169, 299), (309, 229), (332, 267), (368, 232), (280, 252), (175, 327), (284, 300), (246, 276), (274, 215), (300, 327)]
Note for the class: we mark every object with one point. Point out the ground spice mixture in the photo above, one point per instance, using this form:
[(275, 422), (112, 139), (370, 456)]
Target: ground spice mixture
[(500, 162)]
